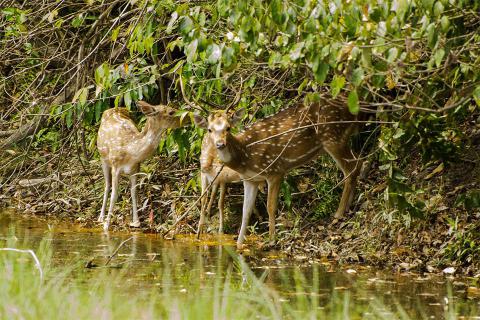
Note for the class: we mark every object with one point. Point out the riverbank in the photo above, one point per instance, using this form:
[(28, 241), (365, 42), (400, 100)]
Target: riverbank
[(86, 274), (444, 238)]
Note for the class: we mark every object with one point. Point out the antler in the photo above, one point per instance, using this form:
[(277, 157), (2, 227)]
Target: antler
[(191, 104), (238, 96)]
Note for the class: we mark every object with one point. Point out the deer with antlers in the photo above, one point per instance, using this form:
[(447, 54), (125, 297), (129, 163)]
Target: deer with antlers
[(213, 174), (122, 148), (270, 148)]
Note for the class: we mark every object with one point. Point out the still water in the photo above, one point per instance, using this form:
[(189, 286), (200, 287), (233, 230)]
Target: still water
[(143, 257)]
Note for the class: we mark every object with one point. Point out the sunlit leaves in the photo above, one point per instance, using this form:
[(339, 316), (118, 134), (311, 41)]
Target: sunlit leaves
[(214, 53), (337, 84), (352, 102), (445, 23), (186, 25), (191, 51), (171, 23), (78, 20), (81, 96)]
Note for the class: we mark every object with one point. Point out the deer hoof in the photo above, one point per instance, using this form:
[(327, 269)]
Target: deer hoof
[(105, 226), (135, 224), (100, 219), (338, 215)]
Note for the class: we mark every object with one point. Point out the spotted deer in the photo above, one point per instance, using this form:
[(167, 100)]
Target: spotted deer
[(270, 148), (210, 166), (122, 148)]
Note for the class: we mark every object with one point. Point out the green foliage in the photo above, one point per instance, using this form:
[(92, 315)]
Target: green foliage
[(465, 245), (411, 61)]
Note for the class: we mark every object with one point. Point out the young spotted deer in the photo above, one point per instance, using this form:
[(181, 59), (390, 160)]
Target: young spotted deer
[(271, 147), (210, 166), (122, 148)]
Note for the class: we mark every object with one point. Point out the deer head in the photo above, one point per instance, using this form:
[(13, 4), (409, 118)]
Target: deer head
[(164, 116), (219, 124)]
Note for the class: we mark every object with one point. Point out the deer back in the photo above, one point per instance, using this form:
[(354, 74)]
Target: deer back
[(290, 138)]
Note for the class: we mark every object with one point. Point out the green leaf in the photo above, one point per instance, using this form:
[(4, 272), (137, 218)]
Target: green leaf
[(186, 25), (438, 8), (432, 35), (191, 51), (115, 33), (81, 96), (275, 58), (445, 23), (127, 98), (278, 11), (116, 102), (321, 72), (77, 21), (357, 76), (337, 84), (228, 57), (69, 118), (352, 102), (392, 54), (476, 95), (439, 54), (296, 52), (214, 53), (172, 21)]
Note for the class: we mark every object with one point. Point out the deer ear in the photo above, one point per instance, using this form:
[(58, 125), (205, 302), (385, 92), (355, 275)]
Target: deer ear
[(238, 116), (200, 121), (145, 107)]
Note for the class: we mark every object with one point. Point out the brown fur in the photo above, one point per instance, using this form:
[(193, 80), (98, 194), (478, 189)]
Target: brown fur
[(272, 147), (122, 148)]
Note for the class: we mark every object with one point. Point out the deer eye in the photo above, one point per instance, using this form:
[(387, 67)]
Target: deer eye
[(171, 113), (228, 129), (209, 130)]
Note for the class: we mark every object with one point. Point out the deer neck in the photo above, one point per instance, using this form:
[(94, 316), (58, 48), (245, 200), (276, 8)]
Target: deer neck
[(149, 138), (234, 154)]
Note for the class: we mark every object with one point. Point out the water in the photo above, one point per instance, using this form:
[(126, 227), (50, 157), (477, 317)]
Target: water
[(144, 257)]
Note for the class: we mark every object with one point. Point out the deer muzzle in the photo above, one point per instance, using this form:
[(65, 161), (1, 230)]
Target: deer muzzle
[(220, 144)]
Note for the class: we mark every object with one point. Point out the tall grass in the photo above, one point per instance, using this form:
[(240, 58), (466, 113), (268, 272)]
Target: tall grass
[(73, 292)]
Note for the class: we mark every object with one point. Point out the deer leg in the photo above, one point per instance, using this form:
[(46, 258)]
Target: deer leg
[(272, 205), (113, 198), (212, 197), (203, 203), (249, 195), (350, 170), (221, 205), (107, 174), (133, 190)]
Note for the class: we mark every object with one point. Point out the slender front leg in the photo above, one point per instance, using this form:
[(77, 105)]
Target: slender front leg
[(203, 203), (249, 196), (113, 198), (272, 205), (107, 174), (133, 190), (221, 205), (212, 197)]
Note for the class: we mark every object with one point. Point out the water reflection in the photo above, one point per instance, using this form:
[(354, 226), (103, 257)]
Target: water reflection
[(144, 258)]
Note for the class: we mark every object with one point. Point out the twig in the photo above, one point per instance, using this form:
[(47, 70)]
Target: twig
[(37, 262), (194, 205), (116, 250)]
